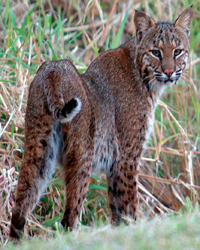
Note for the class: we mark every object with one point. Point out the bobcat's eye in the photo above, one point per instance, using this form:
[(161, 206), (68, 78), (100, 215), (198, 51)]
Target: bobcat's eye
[(156, 53), (177, 52)]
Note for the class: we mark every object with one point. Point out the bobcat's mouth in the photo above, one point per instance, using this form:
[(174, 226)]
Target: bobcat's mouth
[(168, 80)]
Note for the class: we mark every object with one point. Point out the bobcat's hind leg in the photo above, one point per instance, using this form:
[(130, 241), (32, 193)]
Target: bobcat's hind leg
[(42, 144), (36, 170), (123, 192)]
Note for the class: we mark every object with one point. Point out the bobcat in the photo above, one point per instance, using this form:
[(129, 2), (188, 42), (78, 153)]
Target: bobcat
[(100, 120)]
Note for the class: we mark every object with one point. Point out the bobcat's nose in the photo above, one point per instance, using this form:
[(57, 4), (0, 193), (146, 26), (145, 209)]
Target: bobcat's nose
[(168, 72)]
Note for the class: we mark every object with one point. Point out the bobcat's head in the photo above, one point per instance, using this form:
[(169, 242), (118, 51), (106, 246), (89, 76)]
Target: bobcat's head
[(161, 49)]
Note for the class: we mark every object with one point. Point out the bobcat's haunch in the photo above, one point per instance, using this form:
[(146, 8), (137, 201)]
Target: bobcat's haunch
[(99, 121)]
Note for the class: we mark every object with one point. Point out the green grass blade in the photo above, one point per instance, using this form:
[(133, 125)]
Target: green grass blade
[(119, 34)]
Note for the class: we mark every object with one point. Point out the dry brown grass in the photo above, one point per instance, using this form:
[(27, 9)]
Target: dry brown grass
[(170, 167)]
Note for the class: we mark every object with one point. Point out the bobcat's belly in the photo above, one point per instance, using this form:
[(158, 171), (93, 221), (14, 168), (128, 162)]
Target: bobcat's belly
[(105, 152)]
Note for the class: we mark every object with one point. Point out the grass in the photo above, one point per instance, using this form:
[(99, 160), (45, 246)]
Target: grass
[(180, 232), (30, 33)]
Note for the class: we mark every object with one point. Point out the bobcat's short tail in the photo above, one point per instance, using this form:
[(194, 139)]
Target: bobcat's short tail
[(69, 111), (63, 105)]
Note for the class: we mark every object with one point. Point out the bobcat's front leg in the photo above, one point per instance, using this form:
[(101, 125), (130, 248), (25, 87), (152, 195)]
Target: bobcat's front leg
[(77, 167), (123, 192), (77, 183)]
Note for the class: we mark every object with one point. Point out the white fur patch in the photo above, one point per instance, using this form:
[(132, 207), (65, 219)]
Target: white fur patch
[(50, 164)]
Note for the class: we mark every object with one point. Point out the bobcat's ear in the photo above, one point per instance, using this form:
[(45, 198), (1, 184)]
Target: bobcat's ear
[(142, 24), (184, 20)]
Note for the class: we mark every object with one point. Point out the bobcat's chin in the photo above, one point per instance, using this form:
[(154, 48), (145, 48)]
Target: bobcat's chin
[(157, 86), (167, 81)]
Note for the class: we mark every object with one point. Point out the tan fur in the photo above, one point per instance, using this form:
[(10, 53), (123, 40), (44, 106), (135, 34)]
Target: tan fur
[(99, 121)]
